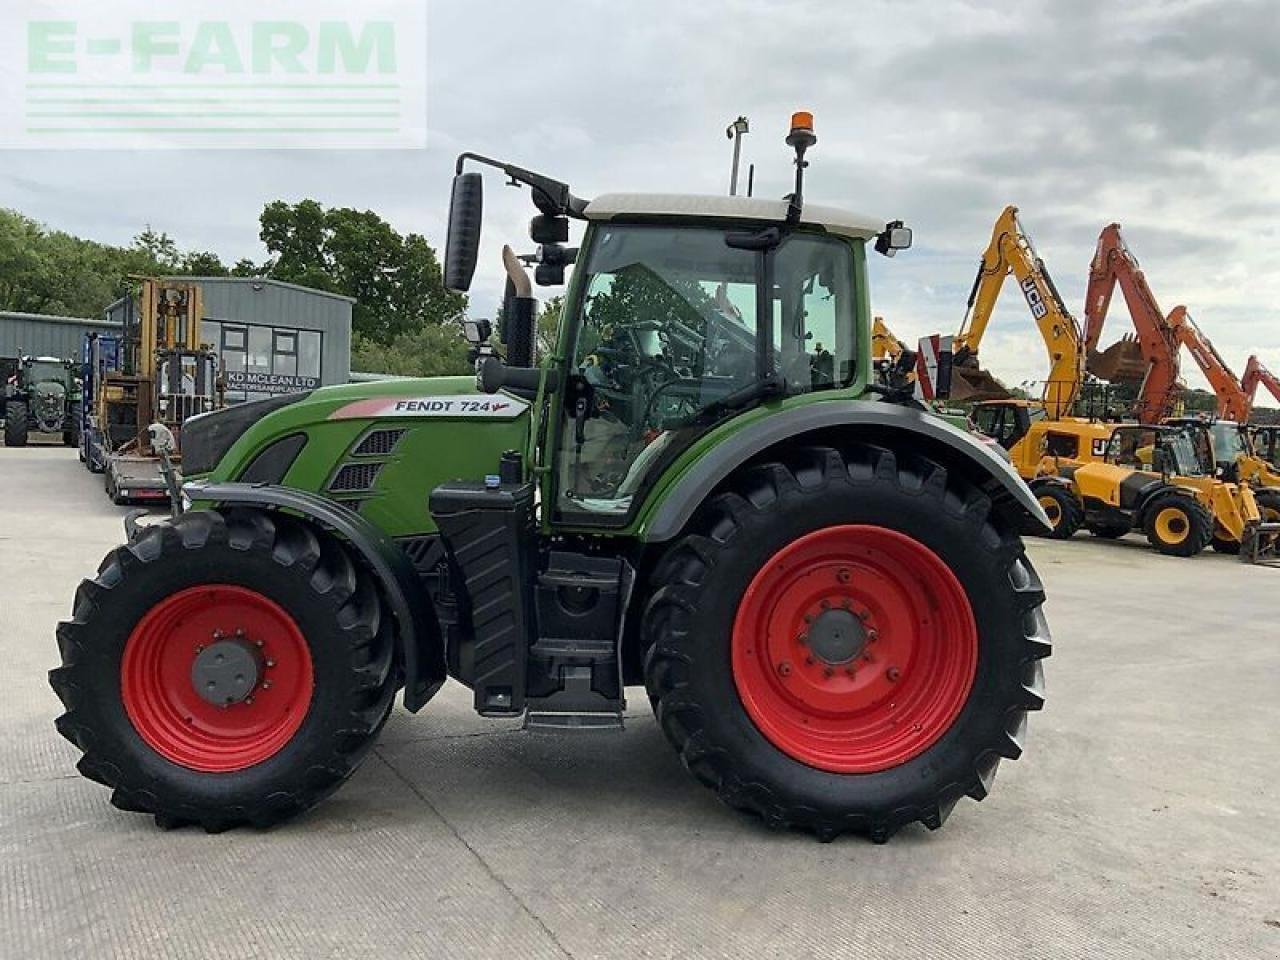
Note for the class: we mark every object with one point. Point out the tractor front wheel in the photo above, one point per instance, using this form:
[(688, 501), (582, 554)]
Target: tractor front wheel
[(1178, 525), (223, 670), (846, 642), (15, 424)]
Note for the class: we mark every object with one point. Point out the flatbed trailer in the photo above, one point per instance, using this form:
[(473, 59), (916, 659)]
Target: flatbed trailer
[(130, 478)]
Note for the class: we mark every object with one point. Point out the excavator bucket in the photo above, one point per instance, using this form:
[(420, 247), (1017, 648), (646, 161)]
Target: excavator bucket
[(971, 384), (1120, 363)]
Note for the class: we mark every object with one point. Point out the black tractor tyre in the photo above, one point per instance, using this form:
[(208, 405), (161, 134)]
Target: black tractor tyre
[(340, 621), (689, 629), (1062, 508), (15, 424), (1189, 527), (71, 435)]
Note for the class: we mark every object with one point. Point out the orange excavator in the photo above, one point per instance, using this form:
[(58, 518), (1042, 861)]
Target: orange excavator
[(1234, 447), (1150, 359), (1233, 403), (1011, 252), (1255, 374)]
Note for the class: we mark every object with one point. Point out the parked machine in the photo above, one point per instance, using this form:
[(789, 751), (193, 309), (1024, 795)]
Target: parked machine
[(1030, 431), (1160, 480), (824, 593), (1233, 441), (42, 396), (154, 371), (1151, 359), (1010, 252)]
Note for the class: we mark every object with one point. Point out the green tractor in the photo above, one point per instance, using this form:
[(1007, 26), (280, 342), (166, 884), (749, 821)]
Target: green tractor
[(699, 489), (42, 396)]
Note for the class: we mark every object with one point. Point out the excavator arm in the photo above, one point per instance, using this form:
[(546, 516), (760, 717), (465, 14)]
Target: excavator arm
[(1233, 402), (1255, 373), (884, 345), (1011, 252), (1156, 365)]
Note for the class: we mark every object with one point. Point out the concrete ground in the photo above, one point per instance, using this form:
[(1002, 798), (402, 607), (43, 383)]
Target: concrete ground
[(1142, 821)]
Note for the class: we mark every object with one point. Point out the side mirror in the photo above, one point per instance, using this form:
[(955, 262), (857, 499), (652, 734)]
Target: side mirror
[(462, 248), (893, 238)]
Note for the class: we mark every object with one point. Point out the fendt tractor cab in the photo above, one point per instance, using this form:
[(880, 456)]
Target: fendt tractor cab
[(697, 489), (42, 396)]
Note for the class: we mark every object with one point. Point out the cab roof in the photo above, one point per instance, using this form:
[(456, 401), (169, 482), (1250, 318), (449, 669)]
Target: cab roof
[(845, 223)]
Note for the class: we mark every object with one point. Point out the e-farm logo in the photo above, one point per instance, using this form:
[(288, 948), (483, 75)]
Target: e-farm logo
[(235, 74)]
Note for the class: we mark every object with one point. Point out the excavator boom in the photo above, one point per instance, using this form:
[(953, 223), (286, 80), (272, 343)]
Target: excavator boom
[(1151, 359), (884, 345), (1233, 402), (1011, 252), (1255, 373)]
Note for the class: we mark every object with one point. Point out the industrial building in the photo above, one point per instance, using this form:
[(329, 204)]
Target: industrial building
[(271, 337), (40, 335)]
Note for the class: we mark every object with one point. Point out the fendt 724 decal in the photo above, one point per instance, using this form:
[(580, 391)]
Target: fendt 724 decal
[(498, 407)]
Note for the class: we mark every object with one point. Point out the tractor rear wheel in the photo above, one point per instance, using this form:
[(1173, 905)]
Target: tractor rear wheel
[(223, 670), (846, 642), (1064, 511), (1178, 525), (15, 424)]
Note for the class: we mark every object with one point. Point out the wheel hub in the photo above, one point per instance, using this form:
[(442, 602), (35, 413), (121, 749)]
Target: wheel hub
[(837, 637), (226, 672)]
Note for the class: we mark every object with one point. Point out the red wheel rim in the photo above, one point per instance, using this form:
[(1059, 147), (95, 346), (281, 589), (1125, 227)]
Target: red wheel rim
[(161, 698), (854, 649)]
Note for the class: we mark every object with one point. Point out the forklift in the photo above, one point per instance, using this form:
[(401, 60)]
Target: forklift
[(155, 370)]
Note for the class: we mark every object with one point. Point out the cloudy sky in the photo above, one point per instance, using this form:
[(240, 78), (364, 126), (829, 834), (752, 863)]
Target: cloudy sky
[(1164, 116)]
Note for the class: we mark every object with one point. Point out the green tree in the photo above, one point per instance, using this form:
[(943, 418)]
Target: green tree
[(396, 280), (433, 350), (549, 327), (203, 264)]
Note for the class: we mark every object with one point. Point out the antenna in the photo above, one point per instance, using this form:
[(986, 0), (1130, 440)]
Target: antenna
[(735, 132)]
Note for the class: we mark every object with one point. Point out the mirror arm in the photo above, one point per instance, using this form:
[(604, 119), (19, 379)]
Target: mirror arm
[(551, 196)]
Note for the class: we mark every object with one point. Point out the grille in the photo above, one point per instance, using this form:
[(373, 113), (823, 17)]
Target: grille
[(355, 476), (379, 443)]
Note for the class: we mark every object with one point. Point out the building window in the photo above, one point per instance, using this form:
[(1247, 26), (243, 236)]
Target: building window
[(308, 353), (259, 361), (233, 338)]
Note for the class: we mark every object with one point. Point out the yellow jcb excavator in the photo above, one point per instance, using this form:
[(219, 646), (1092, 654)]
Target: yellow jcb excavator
[(1029, 430), (1011, 252)]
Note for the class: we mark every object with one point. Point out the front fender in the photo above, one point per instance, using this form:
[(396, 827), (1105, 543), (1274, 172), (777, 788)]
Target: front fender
[(880, 422), (418, 634)]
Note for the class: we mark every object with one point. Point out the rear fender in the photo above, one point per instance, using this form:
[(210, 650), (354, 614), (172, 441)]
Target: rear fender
[(418, 636), (859, 420)]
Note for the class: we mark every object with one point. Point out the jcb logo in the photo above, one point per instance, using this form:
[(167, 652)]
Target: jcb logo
[(1099, 447), (1034, 300)]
